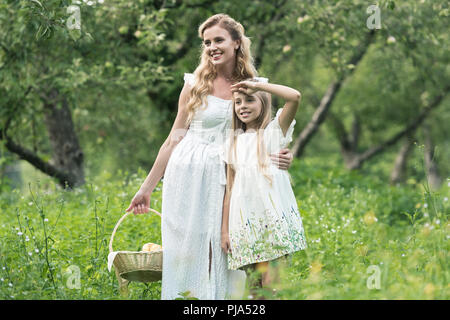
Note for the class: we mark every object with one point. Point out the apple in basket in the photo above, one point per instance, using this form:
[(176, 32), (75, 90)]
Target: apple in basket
[(151, 247)]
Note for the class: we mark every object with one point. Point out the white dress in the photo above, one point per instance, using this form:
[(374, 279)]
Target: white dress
[(264, 220), (192, 199)]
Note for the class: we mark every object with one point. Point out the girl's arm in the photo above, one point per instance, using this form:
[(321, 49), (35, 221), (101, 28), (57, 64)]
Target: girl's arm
[(225, 211), (225, 236), (177, 133), (291, 96)]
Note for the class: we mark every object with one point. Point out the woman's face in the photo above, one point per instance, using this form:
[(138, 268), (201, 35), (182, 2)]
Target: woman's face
[(219, 45), (247, 109)]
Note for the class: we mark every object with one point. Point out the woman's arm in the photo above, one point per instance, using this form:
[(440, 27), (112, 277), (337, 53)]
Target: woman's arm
[(140, 204)]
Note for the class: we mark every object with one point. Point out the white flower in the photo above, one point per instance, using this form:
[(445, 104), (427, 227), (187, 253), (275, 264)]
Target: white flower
[(10, 284), (425, 214), (30, 253), (403, 254), (30, 203), (445, 199), (2, 279), (19, 233), (36, 250), (438, 221), (332, 230), (17, 228), (46, 220), (425, 205), (250, 297), (27, 239), (354, 231)]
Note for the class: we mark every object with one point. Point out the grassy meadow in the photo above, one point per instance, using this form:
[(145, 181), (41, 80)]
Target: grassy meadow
[(366, 239)]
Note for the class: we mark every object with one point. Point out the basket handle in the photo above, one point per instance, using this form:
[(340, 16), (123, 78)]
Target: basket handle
[(119, 222)]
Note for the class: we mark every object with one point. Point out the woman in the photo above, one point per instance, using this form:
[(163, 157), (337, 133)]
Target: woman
[(194, 176)]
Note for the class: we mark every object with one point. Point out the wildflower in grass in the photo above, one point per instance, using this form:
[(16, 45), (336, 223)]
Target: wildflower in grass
[(30, 253), (426, 229), (438, 221), (36, 250), (425, 205), (445, 199), (10, 284), (354, 231), (316, 266), (19, 233), (370, 218), (46, 220), (429, 289), (2, 279)]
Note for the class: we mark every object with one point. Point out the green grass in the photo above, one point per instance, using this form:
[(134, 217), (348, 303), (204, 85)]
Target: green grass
[(357, 227)]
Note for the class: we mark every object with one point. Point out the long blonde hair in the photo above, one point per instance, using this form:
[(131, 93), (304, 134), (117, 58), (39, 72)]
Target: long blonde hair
[(238, 127), (205, 73)]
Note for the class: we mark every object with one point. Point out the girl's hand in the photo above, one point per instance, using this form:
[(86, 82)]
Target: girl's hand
[(140, 203), (283, 159), (246, 87), (225, 242)]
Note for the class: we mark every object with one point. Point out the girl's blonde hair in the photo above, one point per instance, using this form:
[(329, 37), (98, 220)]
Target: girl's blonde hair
[(238, 127), (206, 72)]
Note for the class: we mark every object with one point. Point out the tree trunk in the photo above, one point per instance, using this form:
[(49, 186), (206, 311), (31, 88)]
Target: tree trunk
[(433, 177), (327, 100), (398, 174), (67, 153)]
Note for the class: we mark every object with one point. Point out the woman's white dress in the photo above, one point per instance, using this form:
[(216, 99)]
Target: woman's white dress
[(264, 220), (192, 199)]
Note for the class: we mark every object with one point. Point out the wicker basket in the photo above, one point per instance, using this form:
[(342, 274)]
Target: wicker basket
[(139, 266)]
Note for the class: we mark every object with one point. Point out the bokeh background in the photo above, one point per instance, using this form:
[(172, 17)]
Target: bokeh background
[(89, 92)]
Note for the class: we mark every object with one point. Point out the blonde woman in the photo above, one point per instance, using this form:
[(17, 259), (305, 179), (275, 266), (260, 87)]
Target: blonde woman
[(194, 176)]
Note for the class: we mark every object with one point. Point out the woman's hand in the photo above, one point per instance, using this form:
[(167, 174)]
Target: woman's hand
[(140, 203), (283, 159), (247, 87), (225, 242)]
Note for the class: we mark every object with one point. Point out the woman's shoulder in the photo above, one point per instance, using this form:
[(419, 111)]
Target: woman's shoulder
[(189, 78)]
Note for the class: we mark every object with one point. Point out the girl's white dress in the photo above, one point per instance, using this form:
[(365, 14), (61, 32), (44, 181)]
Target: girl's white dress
[(264, 221), (192, 200)]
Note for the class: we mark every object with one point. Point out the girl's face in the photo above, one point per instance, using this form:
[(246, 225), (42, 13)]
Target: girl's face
[(247, 109), (219, 45)]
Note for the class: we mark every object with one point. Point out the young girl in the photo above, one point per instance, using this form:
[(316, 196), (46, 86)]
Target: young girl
[(260, 220)]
